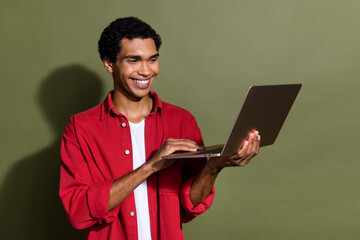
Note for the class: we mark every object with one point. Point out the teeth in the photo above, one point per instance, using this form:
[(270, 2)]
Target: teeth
[(142, 82)]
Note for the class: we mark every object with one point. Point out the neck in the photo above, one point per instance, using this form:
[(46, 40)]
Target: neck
[(135, 111)]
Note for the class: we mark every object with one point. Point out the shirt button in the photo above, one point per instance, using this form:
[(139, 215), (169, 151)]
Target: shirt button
[(127, 152), (123, 124), (132, 214)]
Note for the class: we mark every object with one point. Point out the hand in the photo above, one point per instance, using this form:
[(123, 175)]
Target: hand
[(249, 150), (170, 146)]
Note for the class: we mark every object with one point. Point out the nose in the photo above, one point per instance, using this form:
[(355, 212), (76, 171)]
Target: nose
[(144, 69)]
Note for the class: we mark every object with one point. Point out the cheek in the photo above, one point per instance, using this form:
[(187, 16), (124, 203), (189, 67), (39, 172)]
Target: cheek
[(155, 68), (127, 71)]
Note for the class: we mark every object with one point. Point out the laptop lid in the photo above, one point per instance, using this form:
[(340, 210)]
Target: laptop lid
[(265, 109)]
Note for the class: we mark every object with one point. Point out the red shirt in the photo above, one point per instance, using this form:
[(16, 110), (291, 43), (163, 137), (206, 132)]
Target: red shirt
[(96, 150)]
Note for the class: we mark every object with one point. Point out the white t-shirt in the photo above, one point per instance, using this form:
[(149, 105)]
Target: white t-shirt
[(137, 131)]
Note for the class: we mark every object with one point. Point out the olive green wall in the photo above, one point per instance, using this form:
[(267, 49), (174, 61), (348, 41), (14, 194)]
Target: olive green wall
[(305, 186)]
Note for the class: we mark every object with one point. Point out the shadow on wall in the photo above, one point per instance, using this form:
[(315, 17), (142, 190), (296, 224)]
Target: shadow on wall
[(30, 207)]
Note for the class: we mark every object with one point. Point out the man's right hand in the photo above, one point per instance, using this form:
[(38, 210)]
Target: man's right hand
[(124, 185), (170, 146)]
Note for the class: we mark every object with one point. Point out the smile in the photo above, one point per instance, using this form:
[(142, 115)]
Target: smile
[(142, 83)]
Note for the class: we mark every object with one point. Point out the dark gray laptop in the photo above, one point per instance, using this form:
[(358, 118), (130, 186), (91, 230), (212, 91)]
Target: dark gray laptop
[(265, 109)]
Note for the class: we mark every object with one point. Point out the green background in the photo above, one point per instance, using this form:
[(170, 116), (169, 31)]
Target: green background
[(305, 186)]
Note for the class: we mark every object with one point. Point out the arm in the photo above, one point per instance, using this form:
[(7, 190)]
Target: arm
[(87, 202), (123, 186), (84, 200), (203, 183)]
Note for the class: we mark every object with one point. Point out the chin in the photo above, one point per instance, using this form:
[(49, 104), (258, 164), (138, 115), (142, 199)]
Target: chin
[(140, 94)]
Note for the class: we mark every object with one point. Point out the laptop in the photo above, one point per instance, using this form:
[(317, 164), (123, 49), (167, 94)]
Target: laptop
[(265, 109)]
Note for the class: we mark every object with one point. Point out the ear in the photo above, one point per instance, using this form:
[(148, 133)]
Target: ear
[(108, 65)]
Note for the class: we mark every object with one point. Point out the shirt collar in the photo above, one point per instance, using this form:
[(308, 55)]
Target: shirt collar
[(107, 106)]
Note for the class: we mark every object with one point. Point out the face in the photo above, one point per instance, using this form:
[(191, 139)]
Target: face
[(136, 67)]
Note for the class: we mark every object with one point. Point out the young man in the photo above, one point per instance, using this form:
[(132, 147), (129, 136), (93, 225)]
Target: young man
[(113, 180)]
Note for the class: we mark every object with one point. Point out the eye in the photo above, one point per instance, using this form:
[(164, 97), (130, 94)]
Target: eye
[(153, 59), (132, 60)]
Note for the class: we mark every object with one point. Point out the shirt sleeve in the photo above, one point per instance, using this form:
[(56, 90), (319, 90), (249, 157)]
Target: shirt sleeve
[(85, 201), (191, 168), (191, 211)]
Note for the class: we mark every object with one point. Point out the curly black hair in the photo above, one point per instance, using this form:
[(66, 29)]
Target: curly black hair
[(109, 44)]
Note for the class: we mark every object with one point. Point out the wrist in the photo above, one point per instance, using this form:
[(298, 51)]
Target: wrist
[(148, 168), (212, 167)]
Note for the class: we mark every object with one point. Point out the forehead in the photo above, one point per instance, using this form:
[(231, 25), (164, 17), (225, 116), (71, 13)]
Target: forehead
[(138, 46)]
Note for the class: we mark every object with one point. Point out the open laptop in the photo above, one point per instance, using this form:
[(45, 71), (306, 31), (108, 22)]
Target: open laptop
[(265, 109)]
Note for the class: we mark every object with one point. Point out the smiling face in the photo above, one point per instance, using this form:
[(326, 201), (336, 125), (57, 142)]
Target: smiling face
[(135, 69)]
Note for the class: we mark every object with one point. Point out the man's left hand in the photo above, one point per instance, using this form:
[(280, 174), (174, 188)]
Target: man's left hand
[(249, 150)]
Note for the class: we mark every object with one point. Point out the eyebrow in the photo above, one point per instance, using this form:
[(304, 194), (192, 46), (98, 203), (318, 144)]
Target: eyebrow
[(137, 57)]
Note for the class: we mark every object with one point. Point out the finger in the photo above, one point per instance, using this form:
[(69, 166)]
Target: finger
[(234, 162), (248, 152), (243, 163), (236, 158), (251, 144), (245, 160), (193, 145), (171, 148), (255, 142), (244, 148), (183, 141), (248, 139), (258, 147), (238, 162), (248, 158), (181, 146)]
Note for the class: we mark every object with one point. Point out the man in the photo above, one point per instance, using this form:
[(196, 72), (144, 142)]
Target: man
[(114, 181)]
